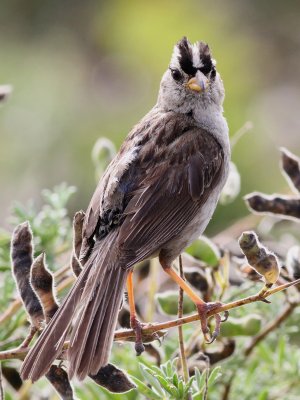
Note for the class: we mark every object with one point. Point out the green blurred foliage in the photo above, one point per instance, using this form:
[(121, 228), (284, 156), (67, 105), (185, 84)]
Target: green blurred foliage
[(84, 70), (270, 372)]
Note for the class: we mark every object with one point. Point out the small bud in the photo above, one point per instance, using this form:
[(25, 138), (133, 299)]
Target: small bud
[(232, 186), (77, 242), (41, 280), (291, 168), (60, 381), (21, 258), (261, 259), (113, 379), (103, 152)]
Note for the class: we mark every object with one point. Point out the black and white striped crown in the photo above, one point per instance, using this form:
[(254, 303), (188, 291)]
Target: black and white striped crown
[(192, 57)]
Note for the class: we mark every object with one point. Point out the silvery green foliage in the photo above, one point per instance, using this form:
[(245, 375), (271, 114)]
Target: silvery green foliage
[(165, 382)]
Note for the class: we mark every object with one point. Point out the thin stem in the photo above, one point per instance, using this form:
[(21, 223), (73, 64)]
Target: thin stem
[(1, 384), (248, 125), (149, 330), (180, 330), (227, 388)]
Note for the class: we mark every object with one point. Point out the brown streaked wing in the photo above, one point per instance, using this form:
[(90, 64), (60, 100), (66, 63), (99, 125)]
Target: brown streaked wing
[(170, 195)]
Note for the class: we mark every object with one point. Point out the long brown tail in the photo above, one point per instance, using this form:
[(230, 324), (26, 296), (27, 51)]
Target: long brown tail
[(92, 305)]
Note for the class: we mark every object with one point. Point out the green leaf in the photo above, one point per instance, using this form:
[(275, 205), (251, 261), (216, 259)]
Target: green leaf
[(148, 375), (249, 325), (214, 375), (169, 369), (144, 389), (170, 388), (205, 250), (180, 389), (200, 378), (263, 395), (175, 379), (168, 303)]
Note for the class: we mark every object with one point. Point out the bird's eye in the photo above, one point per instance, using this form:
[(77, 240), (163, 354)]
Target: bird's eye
[(176, 74)]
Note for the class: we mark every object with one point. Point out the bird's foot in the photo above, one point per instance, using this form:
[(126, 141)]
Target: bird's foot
[(203, 310), (137, 326)]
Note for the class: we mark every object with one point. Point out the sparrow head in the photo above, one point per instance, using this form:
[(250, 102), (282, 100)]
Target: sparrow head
[(191, 79)]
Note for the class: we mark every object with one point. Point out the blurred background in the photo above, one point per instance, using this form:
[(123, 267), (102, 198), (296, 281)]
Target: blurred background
[(83, 70)]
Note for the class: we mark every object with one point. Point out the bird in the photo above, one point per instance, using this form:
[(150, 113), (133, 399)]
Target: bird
[(155, 198)]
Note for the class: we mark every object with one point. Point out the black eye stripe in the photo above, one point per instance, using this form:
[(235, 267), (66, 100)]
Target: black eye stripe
[(206, 69)]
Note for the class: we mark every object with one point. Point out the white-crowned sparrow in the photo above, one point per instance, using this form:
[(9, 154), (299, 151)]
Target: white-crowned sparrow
[(156, 196)]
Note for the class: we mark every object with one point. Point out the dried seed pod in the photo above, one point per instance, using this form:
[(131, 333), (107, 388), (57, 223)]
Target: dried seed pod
[(12, 376), (291, 168), (113, 379), (60, 381), (221, 353), (154, 352), (293, 262), (77, 242), (261, 259), (21, 258), (287, 206), (41, 280), (5, 91)]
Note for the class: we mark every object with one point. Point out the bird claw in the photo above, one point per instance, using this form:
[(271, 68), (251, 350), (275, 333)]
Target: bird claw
[(265, 300), (137, 326), (157, 337), (226, 315), (203, 310)]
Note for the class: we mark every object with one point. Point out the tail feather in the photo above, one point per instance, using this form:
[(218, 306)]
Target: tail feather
[(97, 350), (95, 299), (105, 341), (93, 322)]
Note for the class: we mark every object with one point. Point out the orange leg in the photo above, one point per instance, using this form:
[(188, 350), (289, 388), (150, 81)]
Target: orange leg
[(134, 322), (202, 307)]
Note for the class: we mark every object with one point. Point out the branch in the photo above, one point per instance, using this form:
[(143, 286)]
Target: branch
[(151, 331)]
